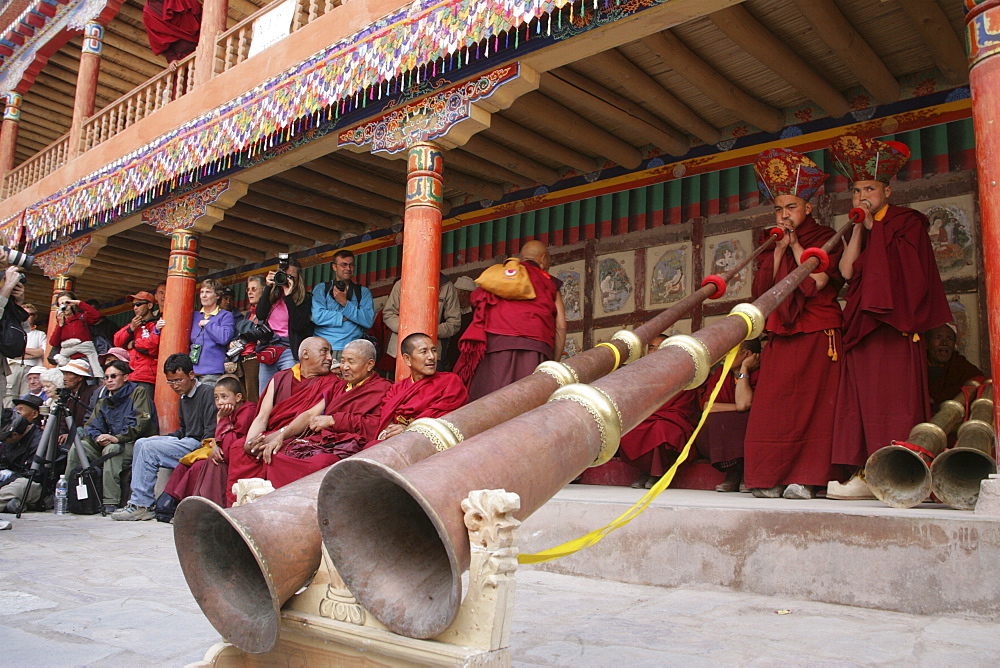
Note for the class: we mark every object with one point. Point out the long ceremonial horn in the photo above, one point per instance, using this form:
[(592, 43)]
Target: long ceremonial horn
[(899, 474), (274, 542), (397, 537), (957, 472)]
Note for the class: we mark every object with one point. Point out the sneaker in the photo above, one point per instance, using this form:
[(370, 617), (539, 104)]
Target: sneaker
[(132, 513), (768, 492), (797, 491), (854, 489)]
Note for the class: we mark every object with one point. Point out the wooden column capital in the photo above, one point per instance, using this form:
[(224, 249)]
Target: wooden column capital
[(70, 259), (198, 210)]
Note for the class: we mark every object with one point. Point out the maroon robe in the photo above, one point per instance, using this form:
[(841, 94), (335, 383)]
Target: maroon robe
[(945, 382), (205, 478), (355, 416), (721, 437), (430, 397), (789, 436), (172, 27), (653, 445), (508, 338), (895, 295), (293, 395)]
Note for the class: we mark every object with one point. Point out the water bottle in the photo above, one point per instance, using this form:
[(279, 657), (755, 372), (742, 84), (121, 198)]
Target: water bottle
[(62, 490)]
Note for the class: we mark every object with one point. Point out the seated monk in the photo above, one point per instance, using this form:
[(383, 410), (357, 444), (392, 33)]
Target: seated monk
[(947, 369), (336, 427), (425, 393), (292, 392), (653, 446)]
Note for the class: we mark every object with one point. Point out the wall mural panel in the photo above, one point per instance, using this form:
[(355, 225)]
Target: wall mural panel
[(952, 234), (574, 345), (572, 274), (725, 251), (965, 310), (614, 291), (668, 274)]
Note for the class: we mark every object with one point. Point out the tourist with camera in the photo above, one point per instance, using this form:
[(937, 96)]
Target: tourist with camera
[(141, 340), (72, 337), (19, 439), (241, 360), (342, 310), (34, 356), (286, 308), (12, 315)]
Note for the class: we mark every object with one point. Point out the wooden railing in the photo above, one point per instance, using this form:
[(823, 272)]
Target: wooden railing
[(37, 167), (132, 107), (233, 46)]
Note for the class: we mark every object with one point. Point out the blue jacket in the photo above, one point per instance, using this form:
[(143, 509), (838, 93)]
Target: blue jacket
[(127, 414), (340, 325)]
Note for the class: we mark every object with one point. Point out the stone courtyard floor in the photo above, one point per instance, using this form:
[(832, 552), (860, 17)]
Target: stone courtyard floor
[(88, 591)]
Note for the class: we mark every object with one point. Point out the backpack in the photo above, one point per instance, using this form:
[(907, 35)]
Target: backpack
[(13, 338), (91, 505)]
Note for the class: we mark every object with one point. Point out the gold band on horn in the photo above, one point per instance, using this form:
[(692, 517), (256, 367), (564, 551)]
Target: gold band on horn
[(442, 434), (699, 354), (632, 341), (756, 317), (563, 374), (604, 411)]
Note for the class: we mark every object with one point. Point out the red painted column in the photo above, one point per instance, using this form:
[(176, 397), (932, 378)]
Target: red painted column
[(178, 305), (983, 35), (60, 283), (421, 271), (8, 132), (214, 14), (86, 83)]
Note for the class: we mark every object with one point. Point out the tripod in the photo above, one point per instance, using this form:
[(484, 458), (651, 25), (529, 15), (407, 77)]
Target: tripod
[(46, 454)]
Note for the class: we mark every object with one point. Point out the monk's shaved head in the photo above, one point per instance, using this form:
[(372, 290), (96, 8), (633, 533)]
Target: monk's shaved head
[(315, 356), (538, 252), (363, 347), (410, 342)]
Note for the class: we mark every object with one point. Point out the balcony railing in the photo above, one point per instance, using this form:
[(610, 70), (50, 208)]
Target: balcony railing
[(232, 48), (37, 167)]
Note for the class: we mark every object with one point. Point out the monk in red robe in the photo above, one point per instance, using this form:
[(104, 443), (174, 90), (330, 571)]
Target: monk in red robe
[(947, 369), (508, 338), (426, 392), (894, 295), (207, 477), (790, 431), (172, 27), (304, 387), (336, 428), (653, 446), (721, 437)]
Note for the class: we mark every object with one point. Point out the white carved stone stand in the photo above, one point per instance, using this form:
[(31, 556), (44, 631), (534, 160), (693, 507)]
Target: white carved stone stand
[(324, 625)]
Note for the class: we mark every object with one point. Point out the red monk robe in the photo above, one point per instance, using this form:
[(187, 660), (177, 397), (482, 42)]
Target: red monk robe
[(946, 381), (507, 339), (653, 445), (895, 294), (172, 27), (293, 395), (721, 437), (790, 430), (206, 478), (430, 397), (355, 412)]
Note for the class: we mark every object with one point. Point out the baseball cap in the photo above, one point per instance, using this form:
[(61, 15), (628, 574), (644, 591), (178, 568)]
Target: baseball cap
[(142, 295)]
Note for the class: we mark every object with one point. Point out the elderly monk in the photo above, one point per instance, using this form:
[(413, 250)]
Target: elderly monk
[(426, 392), (947, 369), (290, 393), (507, 338), (336, 428), (894, 294), (789, 434), (653, 446)]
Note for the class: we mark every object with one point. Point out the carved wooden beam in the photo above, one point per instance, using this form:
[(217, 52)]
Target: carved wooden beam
[(946, 50), (336, 167), (230, 235), (290, 193), (689, 65), (237, 254), (46, 109), (539, 143), (614, 64), (560, 121), (307, 178), (285, 222), (266, 225), (119, 60), (65, 82), (757, 39), (322, 223), (667, 141), (836, 32), (510, 159), (125, 45), (453, 179), (469, 163)]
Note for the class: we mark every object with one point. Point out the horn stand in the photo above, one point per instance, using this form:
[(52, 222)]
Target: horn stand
[(957, 473), (394, 536), (899, 475)]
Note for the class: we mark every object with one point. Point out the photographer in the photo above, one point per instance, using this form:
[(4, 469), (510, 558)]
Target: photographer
[(18, 442), (342, 310), (34, 354), (286, 308), (241, 360), (141, 340), (72, 333), (11, 294)]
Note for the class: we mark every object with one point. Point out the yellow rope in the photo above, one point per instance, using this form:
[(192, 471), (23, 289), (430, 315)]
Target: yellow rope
[(595, 536), (614, 349)]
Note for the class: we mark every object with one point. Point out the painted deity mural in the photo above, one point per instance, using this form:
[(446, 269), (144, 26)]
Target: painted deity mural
[(951, 233), (615, 292), (572, 276), (723, 253), (668, 270)]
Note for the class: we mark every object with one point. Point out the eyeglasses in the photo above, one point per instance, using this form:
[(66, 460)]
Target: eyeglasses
[(134, 304), (116, 375), (176, 381)]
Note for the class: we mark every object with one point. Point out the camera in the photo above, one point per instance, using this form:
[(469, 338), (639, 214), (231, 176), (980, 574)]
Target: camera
[(340, 285), (22, 261), (254, 332), (281, 276)]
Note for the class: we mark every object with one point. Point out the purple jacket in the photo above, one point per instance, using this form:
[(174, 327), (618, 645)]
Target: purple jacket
[(214, 339)]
